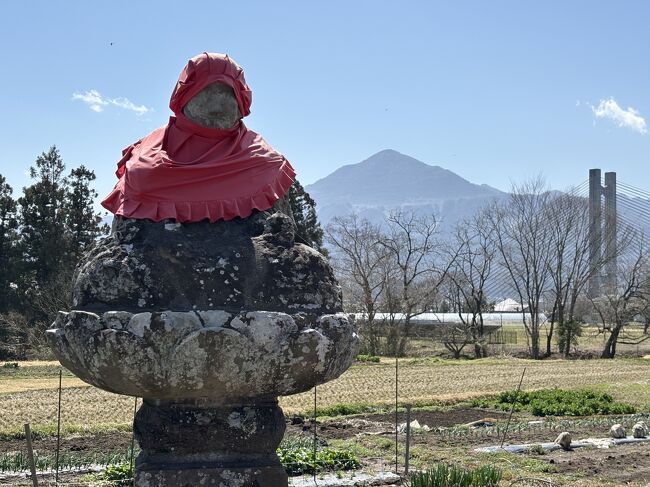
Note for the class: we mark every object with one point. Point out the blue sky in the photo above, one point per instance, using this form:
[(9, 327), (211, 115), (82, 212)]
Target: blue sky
[(493, 90)]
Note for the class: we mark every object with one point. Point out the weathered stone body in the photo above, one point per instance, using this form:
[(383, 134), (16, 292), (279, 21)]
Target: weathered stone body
[(209, 323), (215, 106), (196, 354), (251, 264), (230, 445)]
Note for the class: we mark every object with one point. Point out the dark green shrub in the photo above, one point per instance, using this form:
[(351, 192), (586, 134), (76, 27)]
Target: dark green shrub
[(557, 402), (299, 461), (368, 358)]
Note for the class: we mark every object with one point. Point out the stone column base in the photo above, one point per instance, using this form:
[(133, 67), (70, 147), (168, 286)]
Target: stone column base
[(198, 443), (217, 477)]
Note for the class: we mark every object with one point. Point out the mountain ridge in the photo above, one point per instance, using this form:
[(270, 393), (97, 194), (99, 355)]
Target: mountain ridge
[(389, 179)]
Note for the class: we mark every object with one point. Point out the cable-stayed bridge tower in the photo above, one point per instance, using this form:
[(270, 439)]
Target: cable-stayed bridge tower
[(602, 233)]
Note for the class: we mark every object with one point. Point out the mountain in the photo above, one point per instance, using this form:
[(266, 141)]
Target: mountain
[(389, 180)]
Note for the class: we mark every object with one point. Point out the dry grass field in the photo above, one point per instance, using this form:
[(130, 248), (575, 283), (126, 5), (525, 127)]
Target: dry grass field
[(591, 343), (29, 394)]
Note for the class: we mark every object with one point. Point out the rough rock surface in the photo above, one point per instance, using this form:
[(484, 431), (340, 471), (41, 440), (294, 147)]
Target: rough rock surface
[(200, 353), (244, 264), (640, 430), (240, 440), (617, 431), (564, 440), (215, 106)]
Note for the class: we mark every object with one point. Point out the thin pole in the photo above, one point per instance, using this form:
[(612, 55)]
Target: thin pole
[(512, 409), (408, 439), (396, 406), (315, 433), (58, 432), (135, 410), (30, 454)]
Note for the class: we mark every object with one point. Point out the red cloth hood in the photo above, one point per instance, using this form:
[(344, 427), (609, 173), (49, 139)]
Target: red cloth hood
[(188, 172)]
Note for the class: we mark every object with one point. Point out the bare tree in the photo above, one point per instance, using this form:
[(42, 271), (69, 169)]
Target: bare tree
[(568, 265), (420, 261), (14, 332), (618, 309), (456, 337), (520, 228), (364, 264), (473, 251)]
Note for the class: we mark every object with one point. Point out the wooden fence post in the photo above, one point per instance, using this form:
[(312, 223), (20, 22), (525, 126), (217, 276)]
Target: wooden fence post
[(30, 454)]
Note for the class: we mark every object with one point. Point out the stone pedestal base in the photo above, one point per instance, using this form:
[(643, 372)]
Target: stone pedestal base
[(199, 443), (222, 477)]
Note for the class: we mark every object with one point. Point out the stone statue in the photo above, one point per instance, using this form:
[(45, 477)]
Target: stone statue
[(201, 301)]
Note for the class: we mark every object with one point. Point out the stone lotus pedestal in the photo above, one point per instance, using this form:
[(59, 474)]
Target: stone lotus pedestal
[(210, 378)]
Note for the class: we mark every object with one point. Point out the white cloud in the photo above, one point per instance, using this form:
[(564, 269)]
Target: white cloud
[(96, 102), (92, 98), (629, 118), (129, 105)]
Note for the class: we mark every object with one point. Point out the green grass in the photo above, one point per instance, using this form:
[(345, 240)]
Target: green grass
[(50, 430), (18, 462), (368, 358), (536, 450), (13, 370), (115, 475), (350, 409), (442, 475), (557, 402)]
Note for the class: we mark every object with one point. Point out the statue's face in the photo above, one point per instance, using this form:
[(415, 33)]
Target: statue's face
[(215, 106)]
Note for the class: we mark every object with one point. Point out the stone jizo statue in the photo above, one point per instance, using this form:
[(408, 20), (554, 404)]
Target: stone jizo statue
[(201, 301)]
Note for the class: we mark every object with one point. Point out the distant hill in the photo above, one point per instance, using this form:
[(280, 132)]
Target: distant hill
[(389, 179)]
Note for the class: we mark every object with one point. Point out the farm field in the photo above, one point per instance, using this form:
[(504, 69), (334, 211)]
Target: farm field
[(96, 424), (590, 344)]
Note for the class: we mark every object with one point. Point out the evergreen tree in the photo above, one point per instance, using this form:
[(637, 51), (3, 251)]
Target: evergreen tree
[(7, 245), (308, 228), (42, 219), (82, 223)]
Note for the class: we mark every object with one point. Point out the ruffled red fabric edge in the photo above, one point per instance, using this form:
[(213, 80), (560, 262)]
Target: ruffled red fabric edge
[(195, 211)]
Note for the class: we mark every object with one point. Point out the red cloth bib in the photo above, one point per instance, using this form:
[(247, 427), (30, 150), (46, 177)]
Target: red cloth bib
[(188, 172)]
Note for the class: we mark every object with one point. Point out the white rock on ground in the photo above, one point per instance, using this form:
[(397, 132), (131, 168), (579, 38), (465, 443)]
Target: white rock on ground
[(640, 430), (617, 431), (564, 440)]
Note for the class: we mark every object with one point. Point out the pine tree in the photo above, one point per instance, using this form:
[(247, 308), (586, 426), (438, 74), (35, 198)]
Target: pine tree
[(308, 228), (7, 245)]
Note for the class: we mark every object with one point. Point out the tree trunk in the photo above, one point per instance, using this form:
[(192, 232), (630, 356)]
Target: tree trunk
[(567, 341), (610, 346), (549, 340), (534, 344), (549, 335)]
